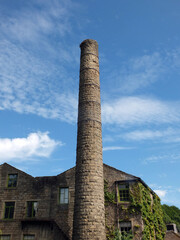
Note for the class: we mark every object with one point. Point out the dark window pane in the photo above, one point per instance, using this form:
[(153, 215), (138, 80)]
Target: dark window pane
[(125, 227), (32, 208), (29, 237), (29, 209), (6, 214), (12, 180), (9, 210), (4, 237), (123, 192)]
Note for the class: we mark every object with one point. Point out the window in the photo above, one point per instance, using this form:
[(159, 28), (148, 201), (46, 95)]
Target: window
[(9, 210), (5, 237), (64, 195), (32, 208), (12, 180), (125, 227), (123, 192), (29, 237)]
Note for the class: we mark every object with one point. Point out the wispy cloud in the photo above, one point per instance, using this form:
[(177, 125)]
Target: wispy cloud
[(168, 194), (160, 193), (140, 110), (142, 71), (113, 148), (31, 82), (160, 190), (20, 149), (37, 19), (26, 85), (171, 158), (167, 135)]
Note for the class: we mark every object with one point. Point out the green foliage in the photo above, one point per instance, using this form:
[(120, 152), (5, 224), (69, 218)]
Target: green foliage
[(124, 236), (150, 209), (171, 215), (110, 232), (144, 203), (115, 234), (108, 196), (160, 227)]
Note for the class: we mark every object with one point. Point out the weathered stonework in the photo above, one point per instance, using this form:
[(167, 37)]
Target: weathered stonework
[(89, 217), (54, 221)]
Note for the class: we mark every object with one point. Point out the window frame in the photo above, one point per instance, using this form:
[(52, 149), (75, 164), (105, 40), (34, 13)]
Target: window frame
[(129, 227), (5, 235), (8, 179), (33, 211), (9, 211), (64, 198), (123, 194), (31, 234)]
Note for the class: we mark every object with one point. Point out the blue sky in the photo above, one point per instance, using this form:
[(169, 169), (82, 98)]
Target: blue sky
[(139, 50)]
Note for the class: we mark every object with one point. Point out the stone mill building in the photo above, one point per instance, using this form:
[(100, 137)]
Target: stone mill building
[(88, 202)]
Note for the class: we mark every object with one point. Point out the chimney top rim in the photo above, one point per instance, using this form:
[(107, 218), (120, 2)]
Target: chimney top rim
[(90, 41)]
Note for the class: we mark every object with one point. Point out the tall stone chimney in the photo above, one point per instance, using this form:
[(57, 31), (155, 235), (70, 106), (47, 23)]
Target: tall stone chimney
[(89, 216)]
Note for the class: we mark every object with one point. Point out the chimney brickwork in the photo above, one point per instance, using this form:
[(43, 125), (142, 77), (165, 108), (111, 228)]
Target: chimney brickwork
[(89, 216)]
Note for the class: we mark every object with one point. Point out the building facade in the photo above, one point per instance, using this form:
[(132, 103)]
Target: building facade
[(42, 208)]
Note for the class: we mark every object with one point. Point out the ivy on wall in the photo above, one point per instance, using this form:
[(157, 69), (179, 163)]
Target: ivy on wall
[(115, 234), (144, 203), (110, 197)]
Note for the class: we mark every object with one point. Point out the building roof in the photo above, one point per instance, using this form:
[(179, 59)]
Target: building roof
[(46, 178), (170, 235)]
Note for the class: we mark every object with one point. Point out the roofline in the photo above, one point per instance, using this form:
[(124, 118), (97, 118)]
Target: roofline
[(16, 169), (147, 186), (137, 180), (120, 171)]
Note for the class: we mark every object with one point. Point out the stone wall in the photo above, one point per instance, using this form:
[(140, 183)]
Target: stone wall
[(54, 221), (44, 190), (89, 217), (118, 211)]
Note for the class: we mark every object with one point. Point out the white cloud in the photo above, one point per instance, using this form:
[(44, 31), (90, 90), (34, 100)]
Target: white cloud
[(34, 77), (168, 194), (108, 138), (161, 193), (36, 20), (44, 85), (171, 158), (167, 135), (29, 85), (20, 149), (141, 71), (140, 110), (112, 148)]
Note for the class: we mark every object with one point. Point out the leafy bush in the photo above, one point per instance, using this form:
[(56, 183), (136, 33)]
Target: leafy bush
[(171, 215)]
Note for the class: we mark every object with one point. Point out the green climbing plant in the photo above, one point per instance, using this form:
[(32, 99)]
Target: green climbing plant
[(124, 236), (143, 202), (108, 195)]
